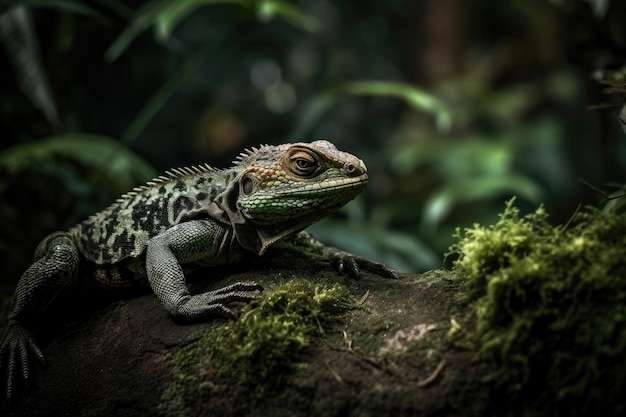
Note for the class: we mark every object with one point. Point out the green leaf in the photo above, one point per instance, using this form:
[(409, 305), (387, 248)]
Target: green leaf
[(71, 6), (442, 202), (144, 18), (399, 250), (622, 118), (599, 7), (474, 156), (165, 15), (105, 158), (311, 113), (173, 11), (168, 89), (616, 200), (420, 100), (319, 105), (268, 10), (22, 46)]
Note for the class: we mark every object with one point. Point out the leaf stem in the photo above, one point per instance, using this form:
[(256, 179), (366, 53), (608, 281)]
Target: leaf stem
[(166, 92)]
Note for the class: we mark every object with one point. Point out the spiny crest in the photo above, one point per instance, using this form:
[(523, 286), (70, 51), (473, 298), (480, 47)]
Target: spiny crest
[(182, 172), (171, 175), (262, 152), (245, 155), (271, 152)]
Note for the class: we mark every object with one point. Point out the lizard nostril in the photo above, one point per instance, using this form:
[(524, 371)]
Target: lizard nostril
[(247, 185), (352, 168)]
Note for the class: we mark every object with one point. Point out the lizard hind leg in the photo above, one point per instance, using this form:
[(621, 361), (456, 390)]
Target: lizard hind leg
[(56, 263)]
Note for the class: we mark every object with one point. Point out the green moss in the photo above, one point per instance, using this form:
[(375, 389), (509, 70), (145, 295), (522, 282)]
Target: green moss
[(550, 310), (255, 353)]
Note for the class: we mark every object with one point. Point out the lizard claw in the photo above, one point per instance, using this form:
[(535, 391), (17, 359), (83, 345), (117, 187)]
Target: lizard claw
[(16, 351), (216, 302), (345, 262)]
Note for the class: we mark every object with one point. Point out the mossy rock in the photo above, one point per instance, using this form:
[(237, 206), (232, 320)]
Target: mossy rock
[(530, 321), (315, 343), (549, 310)]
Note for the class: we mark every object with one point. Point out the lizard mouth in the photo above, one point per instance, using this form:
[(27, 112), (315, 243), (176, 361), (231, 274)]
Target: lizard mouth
[(304, 205), (331, 185)]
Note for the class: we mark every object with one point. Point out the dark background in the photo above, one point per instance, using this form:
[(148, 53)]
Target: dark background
[(459, 106)]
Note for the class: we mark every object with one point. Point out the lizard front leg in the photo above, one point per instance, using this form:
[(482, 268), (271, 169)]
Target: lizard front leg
[(56, 263), (345, 262), (199, 240)]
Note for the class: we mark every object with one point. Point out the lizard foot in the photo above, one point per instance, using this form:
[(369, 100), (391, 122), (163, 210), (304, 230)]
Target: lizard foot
[(345, 262), (16, 351), (215, 303)]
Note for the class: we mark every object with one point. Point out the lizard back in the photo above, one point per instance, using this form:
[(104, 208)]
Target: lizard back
[(123, 229)]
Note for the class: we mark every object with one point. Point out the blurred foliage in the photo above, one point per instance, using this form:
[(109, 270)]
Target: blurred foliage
[(616, 200), (451, 115), (51, 183), (165, 15), (104, 160)]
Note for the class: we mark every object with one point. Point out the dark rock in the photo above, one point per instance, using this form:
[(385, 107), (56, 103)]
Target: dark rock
[(391, 358)]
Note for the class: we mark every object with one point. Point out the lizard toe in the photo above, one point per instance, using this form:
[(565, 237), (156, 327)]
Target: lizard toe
[(238, 287), (16, 353)]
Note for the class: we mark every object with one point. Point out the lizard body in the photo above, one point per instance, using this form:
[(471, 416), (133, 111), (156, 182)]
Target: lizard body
[(190, 216)]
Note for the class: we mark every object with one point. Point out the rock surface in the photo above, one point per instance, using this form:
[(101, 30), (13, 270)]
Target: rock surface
[(391, 358)]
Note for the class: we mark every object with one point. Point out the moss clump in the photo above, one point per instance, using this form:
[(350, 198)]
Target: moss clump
[(550, 310), (273, 331), (255, 353)]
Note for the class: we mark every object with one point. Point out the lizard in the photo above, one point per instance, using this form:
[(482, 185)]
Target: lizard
[(199, 216)]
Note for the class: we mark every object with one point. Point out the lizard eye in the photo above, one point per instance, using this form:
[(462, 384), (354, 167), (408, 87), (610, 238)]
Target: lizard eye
[(304, 164)]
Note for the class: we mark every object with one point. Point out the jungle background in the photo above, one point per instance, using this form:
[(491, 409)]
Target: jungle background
[(454, 105)]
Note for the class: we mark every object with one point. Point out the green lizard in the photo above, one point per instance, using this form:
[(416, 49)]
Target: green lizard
[(196, 215)]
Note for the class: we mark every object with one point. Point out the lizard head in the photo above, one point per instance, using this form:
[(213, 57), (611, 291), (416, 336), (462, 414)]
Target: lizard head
[(285, 188)]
